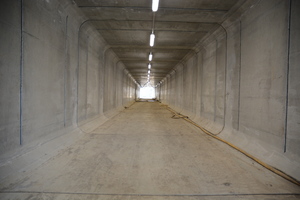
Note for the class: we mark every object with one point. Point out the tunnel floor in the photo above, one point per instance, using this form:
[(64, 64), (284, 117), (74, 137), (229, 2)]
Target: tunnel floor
[(143, 153)]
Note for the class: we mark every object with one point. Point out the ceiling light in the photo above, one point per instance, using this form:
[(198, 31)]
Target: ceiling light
[(155, 5), (149, 66), (150, 56), (152, 37)]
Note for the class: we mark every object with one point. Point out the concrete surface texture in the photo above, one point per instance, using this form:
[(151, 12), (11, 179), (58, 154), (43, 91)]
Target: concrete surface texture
[(242, 84), (68, 67), (178, 25), (144, 153), (55, 74)]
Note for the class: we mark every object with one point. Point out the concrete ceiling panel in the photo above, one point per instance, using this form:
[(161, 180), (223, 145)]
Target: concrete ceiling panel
[(116, 3), (119, 13), (178, 25), (199, 4), (181, 38), (125, 37)]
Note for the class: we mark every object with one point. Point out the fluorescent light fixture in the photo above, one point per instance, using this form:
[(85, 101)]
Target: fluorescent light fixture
[(152, 37), (155, 5), (150, 56), (149, 66), (148, 71)]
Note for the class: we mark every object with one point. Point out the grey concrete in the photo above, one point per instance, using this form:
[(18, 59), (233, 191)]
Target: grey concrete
[(10, 75), (246, 84), (66, 67), (127, 25), (144, 153), (293, 120), (50, 83)]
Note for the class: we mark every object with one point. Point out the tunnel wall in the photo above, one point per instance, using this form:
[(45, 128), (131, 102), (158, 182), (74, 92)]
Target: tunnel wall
[(57, 75), (10, 36), (241, 84)]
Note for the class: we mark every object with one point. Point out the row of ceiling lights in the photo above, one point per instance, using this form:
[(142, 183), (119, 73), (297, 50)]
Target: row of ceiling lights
[(152, 36)]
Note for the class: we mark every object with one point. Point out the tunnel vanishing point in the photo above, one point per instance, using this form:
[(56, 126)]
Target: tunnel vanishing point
[(224, 124)]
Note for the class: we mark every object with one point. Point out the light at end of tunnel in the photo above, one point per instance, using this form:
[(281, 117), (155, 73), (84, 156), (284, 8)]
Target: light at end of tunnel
[(155, 5), (147, 92), (150, 56), (152, 37)]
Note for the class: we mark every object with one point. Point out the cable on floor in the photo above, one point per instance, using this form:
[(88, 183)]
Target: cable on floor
[(265, 165), (176, 116)]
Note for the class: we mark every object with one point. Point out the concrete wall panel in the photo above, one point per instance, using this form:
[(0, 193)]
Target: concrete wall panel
[(209, 81), (293, 117), (263, 66), (82, 76), (10, 55), (220, 80), (65, 84), (43, 79), (233, 75)]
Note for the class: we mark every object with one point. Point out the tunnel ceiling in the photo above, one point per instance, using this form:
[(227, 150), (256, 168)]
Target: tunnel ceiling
[(178, 25)]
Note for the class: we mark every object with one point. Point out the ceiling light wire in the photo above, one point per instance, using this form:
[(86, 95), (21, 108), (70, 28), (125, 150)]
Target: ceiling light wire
[(152, 35)]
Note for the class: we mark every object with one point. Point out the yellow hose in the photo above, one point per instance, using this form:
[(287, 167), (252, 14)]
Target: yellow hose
[(273, 169)]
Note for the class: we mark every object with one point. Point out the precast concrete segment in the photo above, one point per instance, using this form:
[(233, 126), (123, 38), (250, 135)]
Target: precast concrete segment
[(144, 153)]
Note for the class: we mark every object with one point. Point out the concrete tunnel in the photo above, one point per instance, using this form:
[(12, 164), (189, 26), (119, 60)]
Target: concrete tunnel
[(224, 122)]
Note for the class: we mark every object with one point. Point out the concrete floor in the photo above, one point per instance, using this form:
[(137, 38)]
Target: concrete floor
[(143, 153)]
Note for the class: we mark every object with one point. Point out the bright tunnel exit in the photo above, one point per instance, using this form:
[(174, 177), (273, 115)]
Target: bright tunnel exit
[(147, 92)]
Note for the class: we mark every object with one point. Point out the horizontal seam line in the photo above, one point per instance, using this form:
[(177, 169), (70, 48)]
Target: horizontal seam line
[(138, 134), (110, 194)]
